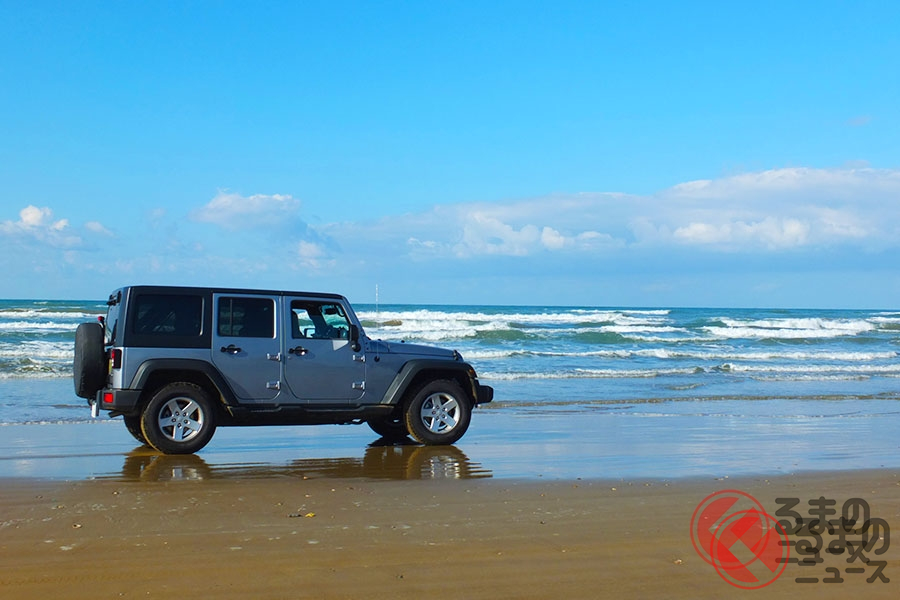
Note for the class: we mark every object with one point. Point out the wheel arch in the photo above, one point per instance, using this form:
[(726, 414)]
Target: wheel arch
[(154, 374), (417, 373)]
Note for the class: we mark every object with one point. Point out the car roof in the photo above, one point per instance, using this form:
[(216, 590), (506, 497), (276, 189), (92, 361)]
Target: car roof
[(164, 289)]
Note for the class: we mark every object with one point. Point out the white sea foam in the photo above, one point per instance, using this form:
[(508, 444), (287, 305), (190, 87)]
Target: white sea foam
[(35, 374), (797, 328), (585, 374), (37, 350), (36, 326), (676, 354), (810, 369), (20, 314), (781, 373), (436, 325)]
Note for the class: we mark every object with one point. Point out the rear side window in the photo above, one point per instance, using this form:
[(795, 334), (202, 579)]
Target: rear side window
[(111, 322), (246, 317), (165, 314)]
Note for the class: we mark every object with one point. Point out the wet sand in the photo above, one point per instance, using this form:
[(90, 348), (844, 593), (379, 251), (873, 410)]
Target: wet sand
[(533, 503), (562, 441)]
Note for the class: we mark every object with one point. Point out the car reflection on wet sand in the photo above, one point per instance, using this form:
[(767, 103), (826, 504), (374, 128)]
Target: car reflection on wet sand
[(382, 460)]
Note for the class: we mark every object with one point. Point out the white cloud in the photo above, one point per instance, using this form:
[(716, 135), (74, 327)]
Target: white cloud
[(552, 239), (486, 235), (32, 216), (313, 256), (98, 228), (776, 210), (233, 211), (795, 182), (38, 224), (770, 232), (775, 216), (768, 212)]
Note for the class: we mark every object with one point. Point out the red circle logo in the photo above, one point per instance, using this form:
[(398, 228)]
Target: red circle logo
[(748, 548)]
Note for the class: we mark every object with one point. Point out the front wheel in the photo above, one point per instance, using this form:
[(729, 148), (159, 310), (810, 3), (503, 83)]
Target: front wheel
[(133, 425), (391, 428), (179, 419), (439, 413)]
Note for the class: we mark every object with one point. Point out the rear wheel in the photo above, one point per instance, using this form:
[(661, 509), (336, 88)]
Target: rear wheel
[(90, 365), (439, 413), (179, 419)]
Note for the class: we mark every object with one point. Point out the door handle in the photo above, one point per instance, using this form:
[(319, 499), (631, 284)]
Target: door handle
[(298, 350), (230, 349)]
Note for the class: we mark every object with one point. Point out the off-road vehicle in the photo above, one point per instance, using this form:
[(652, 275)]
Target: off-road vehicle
[(177, 362)]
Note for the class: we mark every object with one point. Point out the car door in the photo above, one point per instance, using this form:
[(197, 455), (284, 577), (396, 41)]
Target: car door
[(320, 364), (245, 348)]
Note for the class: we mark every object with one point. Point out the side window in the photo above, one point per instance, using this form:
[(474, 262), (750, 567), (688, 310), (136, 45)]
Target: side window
[(163, 314), (246, 317), (318, 320)]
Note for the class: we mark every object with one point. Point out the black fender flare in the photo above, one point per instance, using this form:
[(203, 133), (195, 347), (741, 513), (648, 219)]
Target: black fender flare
[(460, 371), (149, 367)]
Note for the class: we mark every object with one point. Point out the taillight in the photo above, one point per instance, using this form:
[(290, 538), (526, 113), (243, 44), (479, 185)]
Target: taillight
[(115, 358), (108, 397)]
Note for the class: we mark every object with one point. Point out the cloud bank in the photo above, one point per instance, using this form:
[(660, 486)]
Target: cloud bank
[(769, 212), (797, 220)]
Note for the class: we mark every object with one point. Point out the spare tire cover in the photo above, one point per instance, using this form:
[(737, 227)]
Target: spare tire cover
[(90, 365)]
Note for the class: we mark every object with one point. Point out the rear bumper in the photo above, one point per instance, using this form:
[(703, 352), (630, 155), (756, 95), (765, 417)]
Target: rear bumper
[(123, 402), (483, 394)]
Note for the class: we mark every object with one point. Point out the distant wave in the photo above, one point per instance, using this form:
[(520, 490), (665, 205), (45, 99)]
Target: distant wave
[(821, 373), (663, 353), (788, 328), (26, 313), (36, 326), (640, 326), (37, 349)]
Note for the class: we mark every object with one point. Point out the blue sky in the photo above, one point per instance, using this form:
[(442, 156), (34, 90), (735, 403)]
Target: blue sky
[(657, 154)]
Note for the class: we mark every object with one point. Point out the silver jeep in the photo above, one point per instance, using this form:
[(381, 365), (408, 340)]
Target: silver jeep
[(177, 362)]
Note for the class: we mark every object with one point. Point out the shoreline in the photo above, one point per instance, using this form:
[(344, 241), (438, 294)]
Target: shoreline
[(679, 440), (532, 503)]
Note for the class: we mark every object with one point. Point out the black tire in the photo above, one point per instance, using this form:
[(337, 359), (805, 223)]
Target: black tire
[(391, 428), (90, 366), (438, 413), (133, 425), (179, 419)]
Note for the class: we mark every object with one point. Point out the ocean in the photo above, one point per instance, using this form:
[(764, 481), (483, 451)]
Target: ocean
[(640, 361)]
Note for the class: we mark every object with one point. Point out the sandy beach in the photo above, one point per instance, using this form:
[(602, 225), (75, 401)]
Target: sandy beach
[(554, 503), (286, 537)]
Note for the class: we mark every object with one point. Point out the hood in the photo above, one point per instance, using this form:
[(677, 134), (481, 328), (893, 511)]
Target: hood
[(382, 347)]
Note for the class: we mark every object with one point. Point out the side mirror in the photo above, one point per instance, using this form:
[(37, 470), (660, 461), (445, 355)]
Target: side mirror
[(354, 337)]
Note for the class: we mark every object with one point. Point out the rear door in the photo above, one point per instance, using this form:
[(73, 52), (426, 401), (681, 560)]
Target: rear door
[(320, 364), (245, 348)]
